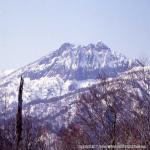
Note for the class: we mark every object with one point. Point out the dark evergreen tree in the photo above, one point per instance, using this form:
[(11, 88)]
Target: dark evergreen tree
[(19, 115)]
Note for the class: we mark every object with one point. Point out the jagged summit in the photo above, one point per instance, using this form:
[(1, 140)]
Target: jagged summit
[(98, 46), (101, 46), (66, 45), (72, 62), (83, 62)]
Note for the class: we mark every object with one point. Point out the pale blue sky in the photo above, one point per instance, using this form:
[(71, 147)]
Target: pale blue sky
[(30, 29)]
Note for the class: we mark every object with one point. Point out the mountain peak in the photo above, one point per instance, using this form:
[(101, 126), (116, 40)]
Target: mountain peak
[(98, 46), (66, 46), (101, 45)]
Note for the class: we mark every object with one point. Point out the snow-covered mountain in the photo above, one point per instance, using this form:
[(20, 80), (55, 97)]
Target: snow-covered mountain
[(53, 81), (67, 69)]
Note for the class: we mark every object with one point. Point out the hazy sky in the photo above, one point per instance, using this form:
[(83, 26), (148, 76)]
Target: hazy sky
[(30, 29)]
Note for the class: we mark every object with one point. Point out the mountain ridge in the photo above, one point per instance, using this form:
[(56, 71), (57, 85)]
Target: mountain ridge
[(70, 58)]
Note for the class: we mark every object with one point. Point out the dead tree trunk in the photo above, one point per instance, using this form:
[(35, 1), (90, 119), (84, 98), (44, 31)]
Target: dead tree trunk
[(114, 129), (19, 115)]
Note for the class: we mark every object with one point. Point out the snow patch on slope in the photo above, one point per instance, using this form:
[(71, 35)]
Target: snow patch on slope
[(4, 73)]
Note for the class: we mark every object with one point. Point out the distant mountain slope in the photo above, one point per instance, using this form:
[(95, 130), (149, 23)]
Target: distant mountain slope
[(4, 73)]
